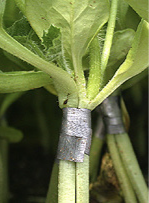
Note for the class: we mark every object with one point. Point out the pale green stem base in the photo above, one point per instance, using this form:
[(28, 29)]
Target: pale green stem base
[(66, 182), (124, 181), (96, 147), (52, 196), (132, 167), (82, 181)]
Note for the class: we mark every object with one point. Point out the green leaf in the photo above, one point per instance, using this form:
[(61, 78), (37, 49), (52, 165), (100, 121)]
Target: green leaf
[(129, 83), (49, 49), (2, 9), (79, 22), (25, 35), (122, 41), (23, 81), (11, 134), (64, 84), (141, 7), (20, 27), (136, 61), (48, 37), (11, 14), (53, 47), (21, 5), (126, 17)]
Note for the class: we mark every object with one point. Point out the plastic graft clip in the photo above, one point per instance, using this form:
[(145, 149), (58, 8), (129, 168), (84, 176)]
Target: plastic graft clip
[(112, 115), (75, 136)]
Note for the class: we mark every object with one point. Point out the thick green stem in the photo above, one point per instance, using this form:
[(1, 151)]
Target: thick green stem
[(125, 184), (96, 147), (81, 83), (66, 182), (82, 181), (94, 79), (132, 167), (109, 35), (52, 195)]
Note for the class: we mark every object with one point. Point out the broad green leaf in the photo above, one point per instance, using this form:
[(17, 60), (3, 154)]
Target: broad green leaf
[(49, 49), (78, 20), (11, 134), (25, 35), (136, 61), (141, 7), (23, 81), (21, 5), (20, 27), (64, 84), (126, 17), (48, 37), (134, 80), (122, 41), (2, 9), (11, 14)]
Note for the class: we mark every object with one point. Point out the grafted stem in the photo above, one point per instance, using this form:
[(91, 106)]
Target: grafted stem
[(82, 181), (66, 182)]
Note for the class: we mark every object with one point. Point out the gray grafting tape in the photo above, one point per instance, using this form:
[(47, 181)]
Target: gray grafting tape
[(75, 136), (112, 116)]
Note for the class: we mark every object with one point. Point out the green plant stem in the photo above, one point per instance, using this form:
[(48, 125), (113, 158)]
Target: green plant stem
[(52, 195), (132, 167), (125, 184), (66, 182), (96, 147), (80, 81), (3, 167), (82, 181), (4, 170), (109, 35), (94, 79)]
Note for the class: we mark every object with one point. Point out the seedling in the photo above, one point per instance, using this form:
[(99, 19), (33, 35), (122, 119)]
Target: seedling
[(58, 38)]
